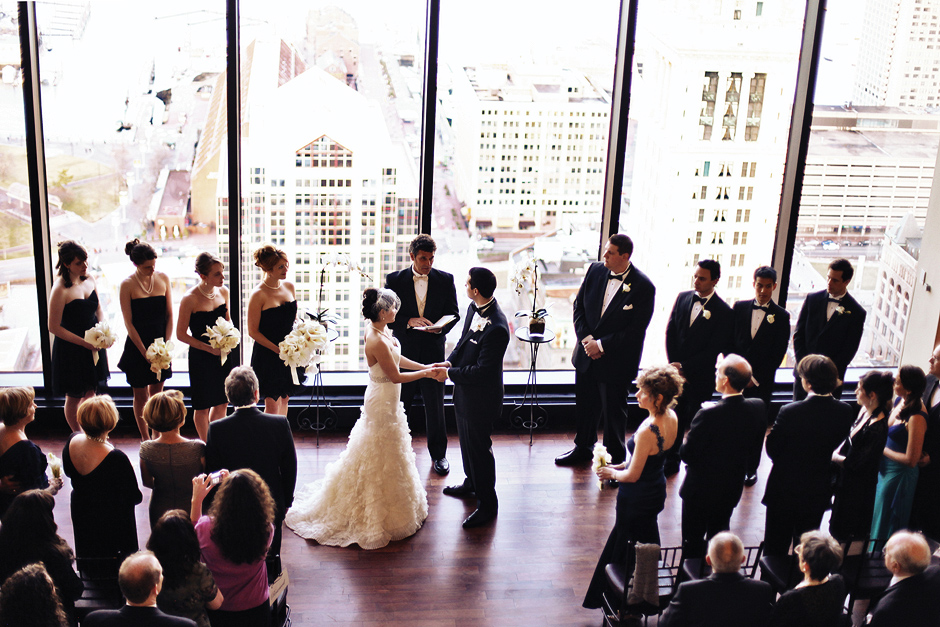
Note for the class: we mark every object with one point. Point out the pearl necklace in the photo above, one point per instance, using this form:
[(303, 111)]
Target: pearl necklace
[(141, 283), (381, 331), (264, 283), (103, 440), (211, 295)]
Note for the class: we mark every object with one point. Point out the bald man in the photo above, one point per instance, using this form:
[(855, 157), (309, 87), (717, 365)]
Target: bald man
[(913, 597), (716, 453)]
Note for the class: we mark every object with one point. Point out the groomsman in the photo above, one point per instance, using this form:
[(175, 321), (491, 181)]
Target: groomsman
[(699, 329), (926, 512), (476, 368), (426, 295), (611, 313), (830, 323), (761, 336)]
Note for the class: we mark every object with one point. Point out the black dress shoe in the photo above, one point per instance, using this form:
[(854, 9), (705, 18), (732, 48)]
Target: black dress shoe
[(479, 518), (441, 466), (750, 480), (574, 457), (462, 490)]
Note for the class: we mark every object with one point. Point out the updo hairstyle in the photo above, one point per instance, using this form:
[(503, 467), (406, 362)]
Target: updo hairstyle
[(165, 411), (204, 263), (69, 251), (97, 415), (375, 301), (139, 251), (664, 380), (267, 257)]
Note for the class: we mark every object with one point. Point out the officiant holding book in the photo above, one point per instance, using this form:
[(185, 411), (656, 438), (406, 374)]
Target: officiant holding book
[(427, 295)]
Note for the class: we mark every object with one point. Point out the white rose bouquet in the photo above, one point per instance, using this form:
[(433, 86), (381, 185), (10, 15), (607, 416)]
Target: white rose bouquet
[(601, 459), (302, 346), (100, 336), (223, 336), (159, 356)]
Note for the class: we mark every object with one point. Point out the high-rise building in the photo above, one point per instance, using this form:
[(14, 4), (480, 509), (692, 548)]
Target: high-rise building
[(898, 271)]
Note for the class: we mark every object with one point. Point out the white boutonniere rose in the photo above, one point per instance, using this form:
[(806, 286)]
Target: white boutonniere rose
[(479, 324), (706, 314), (626, 288), (770, 319), (841, 310)]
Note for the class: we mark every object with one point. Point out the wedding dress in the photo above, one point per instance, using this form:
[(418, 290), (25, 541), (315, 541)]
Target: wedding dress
[(372, 494)]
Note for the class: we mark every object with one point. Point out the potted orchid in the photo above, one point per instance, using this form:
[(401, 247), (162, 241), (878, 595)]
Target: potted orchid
[(339, 260), (527, 273)]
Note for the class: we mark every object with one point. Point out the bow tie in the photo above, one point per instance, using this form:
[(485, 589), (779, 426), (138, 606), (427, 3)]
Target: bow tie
[(616, 277), (699, 299), (420, 277), (754, 305), (837, 301), (478, 310)]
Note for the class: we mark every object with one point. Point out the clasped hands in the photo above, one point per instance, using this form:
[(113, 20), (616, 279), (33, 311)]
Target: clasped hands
[(591, 348), (610, 472), (439, 371)]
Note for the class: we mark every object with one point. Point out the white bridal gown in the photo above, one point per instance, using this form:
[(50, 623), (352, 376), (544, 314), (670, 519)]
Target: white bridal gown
[(372, 494)]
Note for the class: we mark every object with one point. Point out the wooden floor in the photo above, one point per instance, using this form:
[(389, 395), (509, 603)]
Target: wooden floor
[(530, 568)]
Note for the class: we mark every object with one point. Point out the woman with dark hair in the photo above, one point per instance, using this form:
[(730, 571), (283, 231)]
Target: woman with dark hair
[(169, 463), (28, 535), (272, 309), (28, 599), (897, 477), (817, 600), (372, 494), (234, 538), (857, 460), (73, 309), (188, 587), (147, 307), (22, 463), (641, 480), (200, 307)]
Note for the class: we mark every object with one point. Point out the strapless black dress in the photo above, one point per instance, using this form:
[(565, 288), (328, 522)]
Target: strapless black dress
[(206, 372), (74, 372), (274, 380), (148, 315)]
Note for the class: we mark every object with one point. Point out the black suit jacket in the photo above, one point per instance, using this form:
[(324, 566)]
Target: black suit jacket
[(766, 350), (837, 338), (130, 616), (932, 437), (721, 439), (250, 438), (721, 600), (622, 328), (696, 347), (911, 602), (477, 359), (421, 346), (800, 444)]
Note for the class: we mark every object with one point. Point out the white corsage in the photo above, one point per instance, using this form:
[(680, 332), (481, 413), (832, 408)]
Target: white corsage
[(625, 288), (159, 356), (100, 336), (301, 348), (479, 324), (601, 459), (223, 336), (770, 319), (706, 314), (841, 310)]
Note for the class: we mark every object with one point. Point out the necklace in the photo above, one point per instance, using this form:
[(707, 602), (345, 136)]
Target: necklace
[(210, 295), (380, 331), (103, 440), (137, 275), (264, 283)]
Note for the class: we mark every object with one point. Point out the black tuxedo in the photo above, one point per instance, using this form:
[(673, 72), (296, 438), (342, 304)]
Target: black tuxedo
[(477, 372), (721, 600), (800, 444), (424, 347), (911, 602), (696, 347), (131, 616), (250, 438), (837, 338), (716, 454), (602, 385), (925, 514)]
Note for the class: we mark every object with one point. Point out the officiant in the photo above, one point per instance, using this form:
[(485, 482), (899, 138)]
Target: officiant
[(427, 295)]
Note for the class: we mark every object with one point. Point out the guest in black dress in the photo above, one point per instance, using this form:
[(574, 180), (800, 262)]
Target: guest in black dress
[(272, 309), (857, 460), (642, 483), (104, 485), (147, 307), (200, 308), (817, 600), (22, 464), (73, 309)]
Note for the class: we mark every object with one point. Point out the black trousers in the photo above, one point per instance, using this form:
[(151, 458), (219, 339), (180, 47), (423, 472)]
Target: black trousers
[(700, 521), (432, 393), (598, 401), (475, 428), (785, 524), (753, 460)]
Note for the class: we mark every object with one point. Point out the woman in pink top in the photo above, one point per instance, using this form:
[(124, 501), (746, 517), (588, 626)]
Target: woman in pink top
[(234, 538)]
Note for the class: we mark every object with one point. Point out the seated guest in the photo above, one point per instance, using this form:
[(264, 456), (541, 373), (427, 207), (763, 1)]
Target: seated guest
[(28, 599), (911, 599), (188, 586), (140, 579), (726, 598), (234, 539), (169, 462), (22, 464), (817, 600), (28, 535)]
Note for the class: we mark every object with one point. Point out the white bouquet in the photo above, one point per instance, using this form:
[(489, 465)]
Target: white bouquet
[(223, 336), (55, 465), (158, 354), (302, 346), (601, 459), (100, 336)]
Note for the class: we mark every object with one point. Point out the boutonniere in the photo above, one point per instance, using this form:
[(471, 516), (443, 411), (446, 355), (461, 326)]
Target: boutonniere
[(841, 310), (770, 319), (626, 288), (628, 307), (479, 324), (706, 314)]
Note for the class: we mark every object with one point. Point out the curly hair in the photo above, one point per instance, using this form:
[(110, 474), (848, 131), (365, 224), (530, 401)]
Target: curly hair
[(14, 403), (69, 251), (174, 542), (28, 533), (165, 411), (242, 514), (28, 599), (267, 257), (664, 380)]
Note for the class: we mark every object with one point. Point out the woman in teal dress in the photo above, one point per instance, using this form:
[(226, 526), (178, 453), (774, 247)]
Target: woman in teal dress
[(897, 477)]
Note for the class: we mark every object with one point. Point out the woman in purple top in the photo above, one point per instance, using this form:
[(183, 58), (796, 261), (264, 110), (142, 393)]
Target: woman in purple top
[(234, 538)]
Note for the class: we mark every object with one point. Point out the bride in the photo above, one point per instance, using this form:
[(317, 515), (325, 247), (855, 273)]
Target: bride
[(372, 494)]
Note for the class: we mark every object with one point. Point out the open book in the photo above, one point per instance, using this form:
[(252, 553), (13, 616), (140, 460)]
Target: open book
[(439, 325)]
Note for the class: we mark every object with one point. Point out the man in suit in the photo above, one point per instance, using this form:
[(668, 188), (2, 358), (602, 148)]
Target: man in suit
[(830, 323), (250, 438), (801, 444), (426, 295), (699, 329), (476, 368), (611, 312), (925, 514), (726, 598), (140, 580), (911, 598), (761, 335), (716, 454)]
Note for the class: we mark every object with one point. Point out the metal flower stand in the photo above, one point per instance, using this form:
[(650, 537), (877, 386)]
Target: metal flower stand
[(529, 414), (322, 416)]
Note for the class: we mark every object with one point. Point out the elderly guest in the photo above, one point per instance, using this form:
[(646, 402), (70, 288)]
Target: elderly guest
[(817, 600)]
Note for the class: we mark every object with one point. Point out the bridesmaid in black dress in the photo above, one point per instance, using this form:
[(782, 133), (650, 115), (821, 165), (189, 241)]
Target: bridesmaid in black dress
[(147, 307), (200, 307), (272, 309), (73, 309)]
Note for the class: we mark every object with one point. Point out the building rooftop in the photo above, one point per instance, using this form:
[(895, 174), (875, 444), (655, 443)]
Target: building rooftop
[(531, 84), (879, 145)]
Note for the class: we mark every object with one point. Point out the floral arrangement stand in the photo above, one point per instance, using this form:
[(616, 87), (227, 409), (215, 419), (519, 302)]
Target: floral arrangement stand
[(529, 414), (319, 416)]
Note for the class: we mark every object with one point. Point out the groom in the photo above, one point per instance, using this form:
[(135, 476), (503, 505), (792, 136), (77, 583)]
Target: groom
[(476, 368)]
